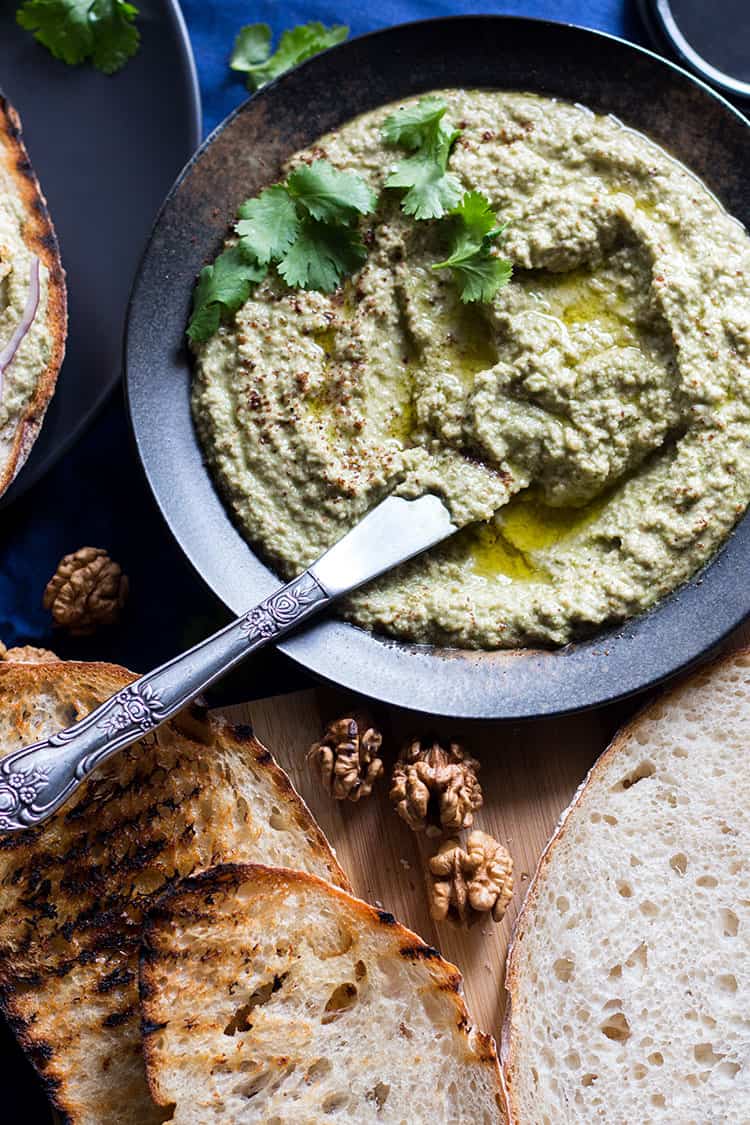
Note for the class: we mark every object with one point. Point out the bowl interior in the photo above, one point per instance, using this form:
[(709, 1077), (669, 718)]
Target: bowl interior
[(245, 154)]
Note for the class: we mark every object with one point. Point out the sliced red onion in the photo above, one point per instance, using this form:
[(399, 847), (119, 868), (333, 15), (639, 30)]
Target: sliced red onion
[(8, 353)]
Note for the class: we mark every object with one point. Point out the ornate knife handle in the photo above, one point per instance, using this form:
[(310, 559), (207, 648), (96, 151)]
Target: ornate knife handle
[(36, 780)]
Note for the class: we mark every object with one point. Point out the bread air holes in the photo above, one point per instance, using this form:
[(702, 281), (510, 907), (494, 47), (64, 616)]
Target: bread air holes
[(563, 968), (679, 863), (727, 982), (277, 820), (379, 1094), (729, 923), (615, 1026), (317, 1070), (341, 1000), (241, 1021), (264, 1080), (638, 959), (332, 1103), (640, 773), (705, 1055)]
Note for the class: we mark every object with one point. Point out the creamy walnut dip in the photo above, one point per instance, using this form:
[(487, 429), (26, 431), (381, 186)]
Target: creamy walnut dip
[(590, 427)]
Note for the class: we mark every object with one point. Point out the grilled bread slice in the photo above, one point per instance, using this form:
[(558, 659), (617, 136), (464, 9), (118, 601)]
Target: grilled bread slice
[(271, 996), (26, 236), (73, 893), (629, 977)]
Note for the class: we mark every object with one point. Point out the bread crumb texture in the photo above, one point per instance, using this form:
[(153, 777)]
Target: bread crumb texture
[(629, 978), (272, 997), (74, 892)]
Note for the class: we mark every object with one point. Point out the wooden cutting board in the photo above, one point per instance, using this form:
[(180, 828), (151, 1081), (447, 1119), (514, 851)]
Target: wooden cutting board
[(529, 773)]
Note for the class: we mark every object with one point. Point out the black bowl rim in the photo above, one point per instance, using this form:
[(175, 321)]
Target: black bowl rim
[(679, 631)]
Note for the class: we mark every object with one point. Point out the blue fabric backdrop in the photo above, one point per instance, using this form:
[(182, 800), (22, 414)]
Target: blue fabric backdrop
[(96, 494)]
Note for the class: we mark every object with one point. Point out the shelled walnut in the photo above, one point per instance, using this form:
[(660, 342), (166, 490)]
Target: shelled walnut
[(88, 589), (27, 654), (472, 881), (436, 789), (347, 757)]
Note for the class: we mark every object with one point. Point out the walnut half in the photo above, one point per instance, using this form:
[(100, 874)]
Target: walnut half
[(88, 589), (470, 882), (436, 789), (347, 757)]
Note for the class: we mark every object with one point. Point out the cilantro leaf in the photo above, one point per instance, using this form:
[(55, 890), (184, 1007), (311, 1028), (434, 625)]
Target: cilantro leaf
[(477, 218), (252, 49), (305, 226), (322, 256), (479, 272), (480, 276), (268, 225), (252, 46), (330, 195), (431, 188), (221, 290), (75, 30), (411, 126)]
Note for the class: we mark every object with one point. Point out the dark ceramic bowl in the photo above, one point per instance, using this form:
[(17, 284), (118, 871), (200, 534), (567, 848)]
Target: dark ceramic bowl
[(246, 153)]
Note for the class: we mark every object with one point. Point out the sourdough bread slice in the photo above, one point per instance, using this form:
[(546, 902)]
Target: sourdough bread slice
[(73, 893), (271, 996), (629, 975), (26, 232)]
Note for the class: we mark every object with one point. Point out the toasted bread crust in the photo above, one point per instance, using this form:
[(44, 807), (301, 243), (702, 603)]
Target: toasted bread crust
[(39, 236), (640, 720), (191, 898), (73, 892)]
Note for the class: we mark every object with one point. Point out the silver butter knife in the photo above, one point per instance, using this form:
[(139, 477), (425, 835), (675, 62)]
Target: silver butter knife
[(36, 780)]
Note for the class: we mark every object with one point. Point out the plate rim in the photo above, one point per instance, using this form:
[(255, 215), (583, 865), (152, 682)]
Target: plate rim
[(663, 28), (338, 634)]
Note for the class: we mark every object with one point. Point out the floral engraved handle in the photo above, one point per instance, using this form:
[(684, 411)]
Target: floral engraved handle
[(37, 780), (282, 610)]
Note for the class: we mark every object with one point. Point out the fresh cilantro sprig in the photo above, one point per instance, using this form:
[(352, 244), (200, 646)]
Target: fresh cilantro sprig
[(305, 227), (431, 189), (222, 289), (479, 272), (432, 192), (252, 49), (102, 31)]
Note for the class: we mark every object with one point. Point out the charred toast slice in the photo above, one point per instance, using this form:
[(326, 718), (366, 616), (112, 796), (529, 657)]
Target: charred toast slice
[(74, 892), (270, 996)]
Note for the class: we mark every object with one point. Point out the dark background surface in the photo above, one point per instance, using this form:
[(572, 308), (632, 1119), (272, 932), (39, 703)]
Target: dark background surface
[(96, 493)]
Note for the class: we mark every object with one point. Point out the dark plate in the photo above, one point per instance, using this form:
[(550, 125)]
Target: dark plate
[(106, 149), (243, 155)]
